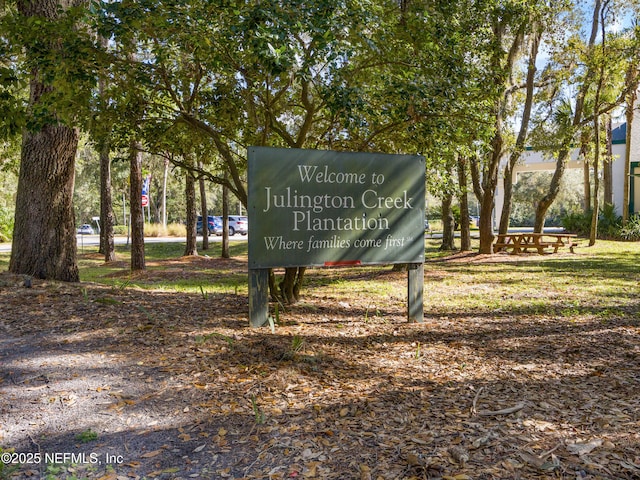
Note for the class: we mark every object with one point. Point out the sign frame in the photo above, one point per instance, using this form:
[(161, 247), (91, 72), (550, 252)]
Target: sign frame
[(309, 208)]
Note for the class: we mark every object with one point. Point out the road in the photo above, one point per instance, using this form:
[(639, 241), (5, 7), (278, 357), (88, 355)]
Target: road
[(94, 241)]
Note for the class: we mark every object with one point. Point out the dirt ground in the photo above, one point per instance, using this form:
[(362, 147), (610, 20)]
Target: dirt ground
[(123, 383)]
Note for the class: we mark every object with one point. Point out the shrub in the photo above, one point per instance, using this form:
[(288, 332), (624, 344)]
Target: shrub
[(119, 229), (631, 231), (578, 223), (609, 223), (176, 230), (154, 230)]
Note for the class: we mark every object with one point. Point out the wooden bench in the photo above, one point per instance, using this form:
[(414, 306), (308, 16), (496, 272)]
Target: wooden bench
[(516, 243)]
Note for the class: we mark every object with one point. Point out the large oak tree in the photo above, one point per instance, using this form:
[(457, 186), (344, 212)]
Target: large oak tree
[(44, 238)]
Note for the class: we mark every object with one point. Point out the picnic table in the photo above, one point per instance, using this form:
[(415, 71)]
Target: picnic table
[(516, 243)]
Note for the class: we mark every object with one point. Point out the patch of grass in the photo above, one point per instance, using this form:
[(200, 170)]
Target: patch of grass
[(166, 271), (86, 436), (530, 287), (7, 469), (598, 281)]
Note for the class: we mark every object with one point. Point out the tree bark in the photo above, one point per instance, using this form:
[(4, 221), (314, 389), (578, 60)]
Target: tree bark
[(502, 67), (593, 234), (106, 205), (190, 193), (563, 153), (607, 174), (44, 237), (164, 192), (631, 79), (292, 284), (135, 207), (586, 169), (205, 215), (448, 224), (522, 134), (225, 223), (465, 231)]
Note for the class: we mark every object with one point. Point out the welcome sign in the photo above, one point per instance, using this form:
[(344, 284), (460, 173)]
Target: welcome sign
[(323, 208)]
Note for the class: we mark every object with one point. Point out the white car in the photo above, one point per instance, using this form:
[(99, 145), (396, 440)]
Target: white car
[(85, 229), (238, 224)]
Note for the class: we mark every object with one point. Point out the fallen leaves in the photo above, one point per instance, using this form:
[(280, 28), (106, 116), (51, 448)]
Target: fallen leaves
[(583, 448), (465, 395)]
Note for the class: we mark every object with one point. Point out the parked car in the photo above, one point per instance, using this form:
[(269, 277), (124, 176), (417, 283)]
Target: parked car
[(238, 224), (215, 225), (85, 229)]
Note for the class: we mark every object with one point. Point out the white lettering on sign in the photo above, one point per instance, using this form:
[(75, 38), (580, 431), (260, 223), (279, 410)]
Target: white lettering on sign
[(311, 173), (306, 221), (370, 199), (317, 203)]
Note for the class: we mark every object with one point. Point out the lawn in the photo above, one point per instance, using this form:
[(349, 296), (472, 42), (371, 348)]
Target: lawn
[(525, 367)]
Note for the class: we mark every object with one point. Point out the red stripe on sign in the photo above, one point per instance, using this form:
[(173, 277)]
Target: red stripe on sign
[(341, 263)]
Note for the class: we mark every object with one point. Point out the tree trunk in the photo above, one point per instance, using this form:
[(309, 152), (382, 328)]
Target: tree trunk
[(502, 68), (291, 284), (546, 201), (190, 193), (106, 205), (563, 154), (225, 223), (135, 207), (107, 217), (507, 185), (448, 224), (164, 193), (465, 232), (631, 79), (522, 134), (489, 184), (593, 232), (205, 215), (607, 173), (44, 236), (486, 222), (586, 169)]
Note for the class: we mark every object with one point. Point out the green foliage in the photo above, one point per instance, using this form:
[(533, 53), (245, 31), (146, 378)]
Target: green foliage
[(258, 414), (7, 469), (201, 339), (9, 166), (631, 231), (86, 436), (577, 222), (119, 229), (66, 67), (609, 223), (6, 224), (532, 186)]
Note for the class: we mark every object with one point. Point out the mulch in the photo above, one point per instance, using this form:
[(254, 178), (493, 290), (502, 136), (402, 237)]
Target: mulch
[(127, 383)]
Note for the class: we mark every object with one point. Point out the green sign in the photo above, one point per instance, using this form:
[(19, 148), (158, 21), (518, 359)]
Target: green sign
[(320, 207)]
